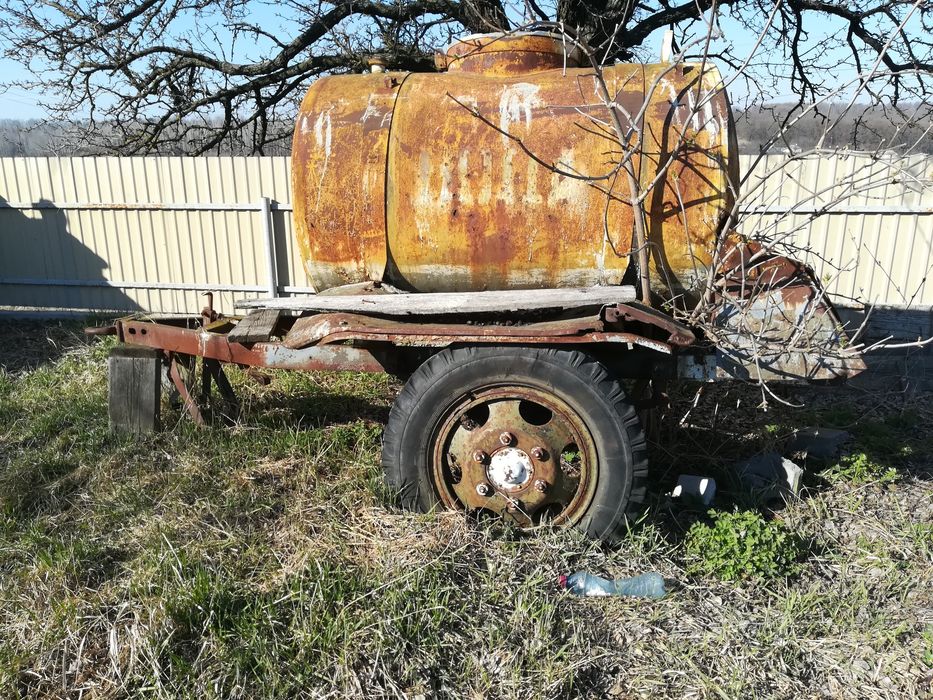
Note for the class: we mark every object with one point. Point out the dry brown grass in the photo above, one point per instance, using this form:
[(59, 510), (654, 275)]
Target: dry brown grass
[(265, 560)]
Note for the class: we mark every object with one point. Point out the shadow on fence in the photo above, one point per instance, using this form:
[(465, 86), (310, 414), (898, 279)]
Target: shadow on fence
[(44, 266)]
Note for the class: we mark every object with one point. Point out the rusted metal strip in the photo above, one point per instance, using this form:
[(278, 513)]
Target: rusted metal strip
[(190, 404), (339, 326), (324, 329), (678, 334), (215, 346)]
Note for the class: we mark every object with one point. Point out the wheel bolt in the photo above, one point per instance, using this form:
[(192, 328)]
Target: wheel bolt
[(512, 506), (483, 489), (539, 453), (540, 485), (480, 456), (506, 438)]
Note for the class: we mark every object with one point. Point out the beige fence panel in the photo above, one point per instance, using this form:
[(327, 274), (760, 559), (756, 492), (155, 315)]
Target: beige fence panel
[(866, 223), (142, 233), (153, 233)]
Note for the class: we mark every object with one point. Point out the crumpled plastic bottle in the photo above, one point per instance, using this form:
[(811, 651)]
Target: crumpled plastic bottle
[(650, 585)]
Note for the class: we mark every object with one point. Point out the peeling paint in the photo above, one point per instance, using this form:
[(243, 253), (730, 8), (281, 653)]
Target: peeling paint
[(459, 205), (515, 106)]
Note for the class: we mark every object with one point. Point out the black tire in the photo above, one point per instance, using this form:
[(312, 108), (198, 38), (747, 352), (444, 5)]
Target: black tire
[(615, 481)]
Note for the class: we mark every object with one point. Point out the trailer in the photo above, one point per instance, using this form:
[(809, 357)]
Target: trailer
[(527, 404), (459, 243)]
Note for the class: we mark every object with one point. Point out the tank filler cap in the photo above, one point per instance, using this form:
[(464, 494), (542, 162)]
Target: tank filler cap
[(508, 53)]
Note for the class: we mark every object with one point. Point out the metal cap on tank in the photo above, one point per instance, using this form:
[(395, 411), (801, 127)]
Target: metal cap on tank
[(508, 54)]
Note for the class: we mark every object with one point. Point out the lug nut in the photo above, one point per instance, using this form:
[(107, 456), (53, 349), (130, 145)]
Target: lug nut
[(540, 485), (539, 453), (480, 456), (483, 489), (506, 438), (512, 506)]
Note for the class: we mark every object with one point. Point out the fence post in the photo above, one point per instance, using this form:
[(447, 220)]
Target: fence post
[(269, 235)]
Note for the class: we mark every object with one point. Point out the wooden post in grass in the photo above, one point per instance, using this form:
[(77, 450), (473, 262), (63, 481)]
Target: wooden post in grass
[(135, 389)]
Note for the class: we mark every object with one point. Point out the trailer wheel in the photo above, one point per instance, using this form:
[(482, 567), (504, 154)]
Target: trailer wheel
[(535, 435)]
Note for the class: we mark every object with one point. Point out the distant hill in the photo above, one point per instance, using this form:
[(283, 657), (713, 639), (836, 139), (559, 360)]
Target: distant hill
[(859, 129), (35, 138)]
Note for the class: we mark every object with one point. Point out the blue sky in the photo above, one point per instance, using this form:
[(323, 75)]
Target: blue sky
[(16, 103)]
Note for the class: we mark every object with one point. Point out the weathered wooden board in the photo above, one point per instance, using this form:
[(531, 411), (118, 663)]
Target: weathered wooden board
[(898, 323), (453, 303), (257, 327), (903, 369), (135, 389)]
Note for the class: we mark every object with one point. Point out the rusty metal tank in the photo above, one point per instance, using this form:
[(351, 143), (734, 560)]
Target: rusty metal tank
[(498, 172)]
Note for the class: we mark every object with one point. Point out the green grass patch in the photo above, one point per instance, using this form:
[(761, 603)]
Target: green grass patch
[(743, 545), (858, 469)]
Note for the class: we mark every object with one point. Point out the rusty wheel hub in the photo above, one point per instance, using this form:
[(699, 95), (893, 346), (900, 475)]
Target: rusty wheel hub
[(510, 469), (517, 451)]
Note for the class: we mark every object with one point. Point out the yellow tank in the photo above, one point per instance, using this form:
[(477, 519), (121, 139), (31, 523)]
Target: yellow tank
[(500, 172)]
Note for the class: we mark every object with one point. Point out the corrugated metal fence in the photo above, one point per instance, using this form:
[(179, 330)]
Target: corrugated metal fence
[(866, 223), (153, 233), (144, 233)]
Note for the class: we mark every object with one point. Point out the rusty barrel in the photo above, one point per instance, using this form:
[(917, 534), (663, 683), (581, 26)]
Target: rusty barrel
[(502, 171)]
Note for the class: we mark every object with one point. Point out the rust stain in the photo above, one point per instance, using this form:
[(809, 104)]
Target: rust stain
[(475, 203), (690, 164), (339, 177), (508, 54), (461, 194)]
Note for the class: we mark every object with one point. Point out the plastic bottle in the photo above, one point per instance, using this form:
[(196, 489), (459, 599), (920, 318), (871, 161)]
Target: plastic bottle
[(650, 585)]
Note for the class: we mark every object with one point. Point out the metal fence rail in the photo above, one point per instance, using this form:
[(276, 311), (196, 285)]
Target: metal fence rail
[(153, 233)]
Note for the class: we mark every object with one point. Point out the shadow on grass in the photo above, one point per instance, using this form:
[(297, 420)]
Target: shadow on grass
[(727, 426), (709, 435), (317, 410), (30, 344), (44, 489)]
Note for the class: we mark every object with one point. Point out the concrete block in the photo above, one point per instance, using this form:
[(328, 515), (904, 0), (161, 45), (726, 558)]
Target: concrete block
[(822, 443), (769, 475)]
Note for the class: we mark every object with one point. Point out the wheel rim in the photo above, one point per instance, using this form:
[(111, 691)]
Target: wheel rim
[(516, 451)]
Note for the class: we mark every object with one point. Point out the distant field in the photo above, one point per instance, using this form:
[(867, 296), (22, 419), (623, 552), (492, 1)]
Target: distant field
[(266, 560)]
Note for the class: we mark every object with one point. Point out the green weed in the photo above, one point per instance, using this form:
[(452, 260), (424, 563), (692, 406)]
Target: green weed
[(742, 545), (927, 652), (859, 469)]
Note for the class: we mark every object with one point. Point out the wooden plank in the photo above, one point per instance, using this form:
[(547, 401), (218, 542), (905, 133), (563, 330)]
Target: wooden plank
[(453, 303), (904, 369), (257, 327), (901, 324), (135, 389)]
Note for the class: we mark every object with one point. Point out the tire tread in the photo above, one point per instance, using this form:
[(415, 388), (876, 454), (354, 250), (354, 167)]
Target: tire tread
[(584, 367)]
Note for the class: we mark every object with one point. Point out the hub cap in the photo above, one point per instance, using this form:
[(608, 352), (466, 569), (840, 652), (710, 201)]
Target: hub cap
[(510, 469), (546, 471)]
